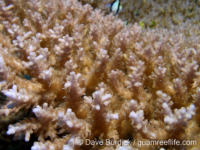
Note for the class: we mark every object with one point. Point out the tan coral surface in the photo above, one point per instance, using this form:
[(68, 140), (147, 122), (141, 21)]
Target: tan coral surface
[(85, 76)]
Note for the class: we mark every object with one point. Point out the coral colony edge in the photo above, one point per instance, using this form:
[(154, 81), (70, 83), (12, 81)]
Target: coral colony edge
[(69, 74)]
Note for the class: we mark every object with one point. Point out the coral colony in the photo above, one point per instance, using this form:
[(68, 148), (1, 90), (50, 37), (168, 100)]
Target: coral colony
[(79, 79)]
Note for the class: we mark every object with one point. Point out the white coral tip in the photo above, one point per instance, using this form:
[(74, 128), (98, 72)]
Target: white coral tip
[(68, 84), (70, 124), (106, 97)]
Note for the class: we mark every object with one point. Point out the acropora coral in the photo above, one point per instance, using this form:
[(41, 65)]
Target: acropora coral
[(75, 74)]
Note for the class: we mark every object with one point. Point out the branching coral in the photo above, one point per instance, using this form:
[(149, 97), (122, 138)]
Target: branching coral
[(86, 76)]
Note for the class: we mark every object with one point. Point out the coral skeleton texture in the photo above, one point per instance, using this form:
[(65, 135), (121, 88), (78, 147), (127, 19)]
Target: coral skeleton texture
[(81, 75)]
